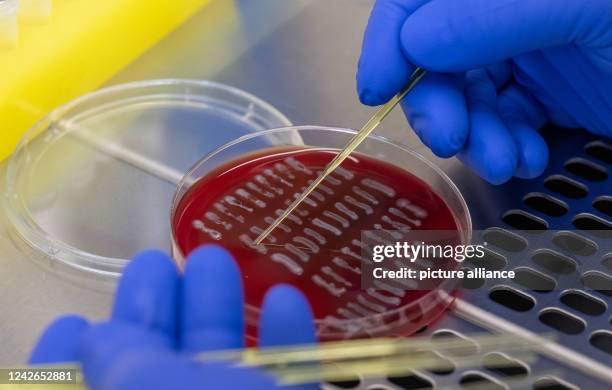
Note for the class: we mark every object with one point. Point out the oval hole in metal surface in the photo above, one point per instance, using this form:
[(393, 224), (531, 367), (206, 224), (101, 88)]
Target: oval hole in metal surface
[(503, 365), (545, 204), (574, 243), (552, 383), (603, 204), (412, 381), (490, 261), (511, 298), (607, 261), (534, 280), (465, 346), (505, 240), (600, 150), (593, 225), (586, 169), (565, 186), (554, 261), (598, 281), (480, 381), (583, 302), (522, 220), (602, 339)]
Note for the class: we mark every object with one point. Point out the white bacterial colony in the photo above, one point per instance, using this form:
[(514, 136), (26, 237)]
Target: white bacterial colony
[(288, 262), (201, 226)]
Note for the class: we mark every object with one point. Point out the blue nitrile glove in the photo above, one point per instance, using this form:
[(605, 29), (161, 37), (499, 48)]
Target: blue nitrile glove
[(500, 70), (160, 319)]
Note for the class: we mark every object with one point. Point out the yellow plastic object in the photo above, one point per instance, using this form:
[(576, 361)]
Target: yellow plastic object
[(72, 48)]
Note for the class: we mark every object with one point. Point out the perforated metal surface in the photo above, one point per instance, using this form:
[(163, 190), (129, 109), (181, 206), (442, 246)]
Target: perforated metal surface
[(581, 314), (580, 317)]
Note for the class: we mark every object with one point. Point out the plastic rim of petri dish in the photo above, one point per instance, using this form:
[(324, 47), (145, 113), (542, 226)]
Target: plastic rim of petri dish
[(9, 28), (91, 183), (417, 313), (8, 9)]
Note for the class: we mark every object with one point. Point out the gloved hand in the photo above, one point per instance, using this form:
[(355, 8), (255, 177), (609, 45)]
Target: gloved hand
[(500, 70), (160, 319)]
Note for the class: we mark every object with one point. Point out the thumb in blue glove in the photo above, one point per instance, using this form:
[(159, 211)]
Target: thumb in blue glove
[(500, 71), (161, 319)]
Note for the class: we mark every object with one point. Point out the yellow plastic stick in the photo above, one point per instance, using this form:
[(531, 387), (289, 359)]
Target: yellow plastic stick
[(81, 45)]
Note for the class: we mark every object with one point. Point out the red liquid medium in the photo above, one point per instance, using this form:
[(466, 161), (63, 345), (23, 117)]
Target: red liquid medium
[(316, 249)]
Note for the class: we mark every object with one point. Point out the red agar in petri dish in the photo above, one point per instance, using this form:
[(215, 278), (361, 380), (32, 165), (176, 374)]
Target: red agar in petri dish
[(317, 249)]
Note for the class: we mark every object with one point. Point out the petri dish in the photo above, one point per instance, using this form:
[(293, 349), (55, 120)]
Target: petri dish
[(91, 184), (234, 193)]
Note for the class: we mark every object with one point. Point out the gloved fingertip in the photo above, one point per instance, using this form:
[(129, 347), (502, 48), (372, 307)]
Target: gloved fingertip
[(418, 121), (150, 256), (437, 112), (148, 291), (457, 140), (496, 165), (369, 98), (212, 301), (212, 260), (286, 318), (533, 159), (286, 297), (449, 146), (499, 170), (58, 343), (151, 262), (376, 89), (383, 70), (441, 144), (210, 255)]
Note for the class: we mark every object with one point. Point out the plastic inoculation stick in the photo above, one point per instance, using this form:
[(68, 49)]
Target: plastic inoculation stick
[(366, 130), (374, 358), (370, 358), (368, 349), (57, 50)]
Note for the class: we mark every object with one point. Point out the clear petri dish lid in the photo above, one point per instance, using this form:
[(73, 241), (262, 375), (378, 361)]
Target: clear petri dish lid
[(92, 183)]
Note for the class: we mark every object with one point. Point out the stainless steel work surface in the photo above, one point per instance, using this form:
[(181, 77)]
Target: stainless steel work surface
[(301, 56)]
